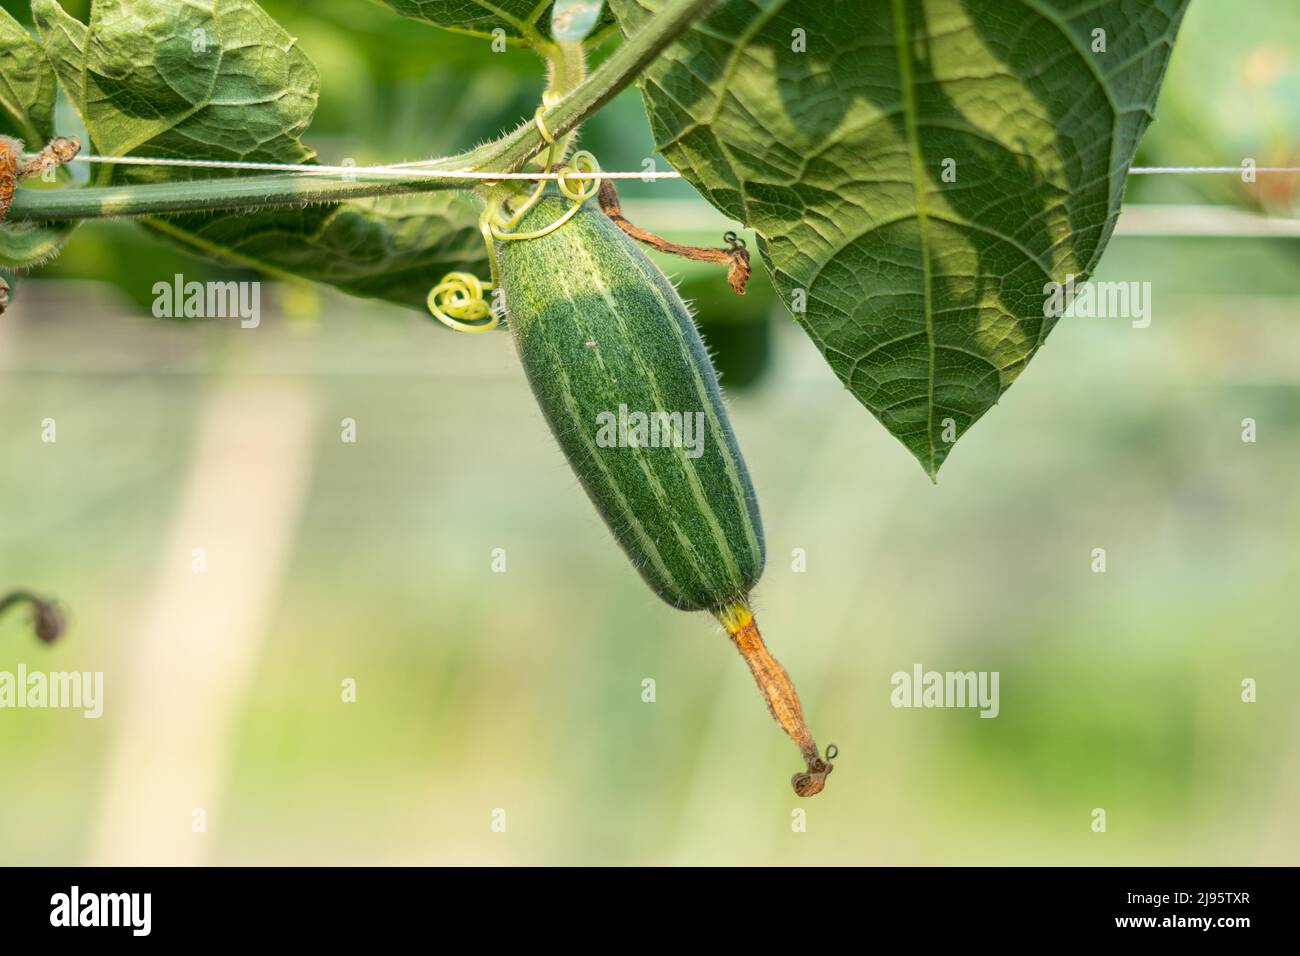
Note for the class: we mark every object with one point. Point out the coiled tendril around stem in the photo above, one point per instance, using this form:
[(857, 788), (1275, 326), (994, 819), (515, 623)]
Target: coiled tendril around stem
[(458, 301)]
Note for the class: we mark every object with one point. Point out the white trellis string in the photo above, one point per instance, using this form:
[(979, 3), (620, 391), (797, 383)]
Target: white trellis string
[(405, 171), (413, 170), (1192, 170)]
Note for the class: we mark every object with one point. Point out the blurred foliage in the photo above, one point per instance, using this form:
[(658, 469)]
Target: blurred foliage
[(1232, 91), (523, 690)]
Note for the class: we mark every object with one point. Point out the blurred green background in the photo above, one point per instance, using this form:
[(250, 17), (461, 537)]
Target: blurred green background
[(521, 691)]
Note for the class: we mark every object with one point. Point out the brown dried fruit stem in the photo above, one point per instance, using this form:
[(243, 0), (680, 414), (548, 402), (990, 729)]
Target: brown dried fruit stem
[(778, 690), (735, 256)]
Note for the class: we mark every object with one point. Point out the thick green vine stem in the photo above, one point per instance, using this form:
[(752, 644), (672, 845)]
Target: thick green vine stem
[(507, 154)]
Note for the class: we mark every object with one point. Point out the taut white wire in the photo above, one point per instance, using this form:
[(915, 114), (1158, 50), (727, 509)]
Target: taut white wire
[(403, 171), (1237, 170), (409, 170)]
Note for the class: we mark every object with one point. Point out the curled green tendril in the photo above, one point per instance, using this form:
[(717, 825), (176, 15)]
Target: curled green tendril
[(458, 301)]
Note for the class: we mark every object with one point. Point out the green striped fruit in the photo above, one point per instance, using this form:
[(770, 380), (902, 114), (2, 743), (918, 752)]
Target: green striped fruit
[(603, 336)]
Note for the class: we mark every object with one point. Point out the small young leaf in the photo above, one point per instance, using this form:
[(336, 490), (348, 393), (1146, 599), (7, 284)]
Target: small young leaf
[(63, 37), (516, 19), (27, 85), (915, 172), (26, 245), (27, 91)]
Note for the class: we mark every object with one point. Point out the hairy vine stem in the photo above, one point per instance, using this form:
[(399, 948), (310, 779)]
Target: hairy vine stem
[(507, 154)]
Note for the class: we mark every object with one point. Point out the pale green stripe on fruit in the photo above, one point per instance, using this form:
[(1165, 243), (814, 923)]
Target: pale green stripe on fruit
[(692, 478), (661, 493), (571, 406), (733, 473)]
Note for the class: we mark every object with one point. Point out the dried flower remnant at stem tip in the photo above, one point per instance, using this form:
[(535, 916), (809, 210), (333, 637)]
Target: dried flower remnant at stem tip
[(16, 165), (782, 699), (735, 256), (47, 617)]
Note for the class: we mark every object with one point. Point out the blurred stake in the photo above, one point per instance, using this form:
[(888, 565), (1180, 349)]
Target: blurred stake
[(177, 707)]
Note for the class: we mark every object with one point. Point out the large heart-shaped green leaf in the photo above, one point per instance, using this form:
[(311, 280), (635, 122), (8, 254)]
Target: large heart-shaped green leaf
[(219, 79), (222, 80), (833, 127)]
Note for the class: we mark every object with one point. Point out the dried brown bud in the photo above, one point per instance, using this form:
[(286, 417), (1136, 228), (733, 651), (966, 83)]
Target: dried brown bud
[(64, 148), (48, 621)]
